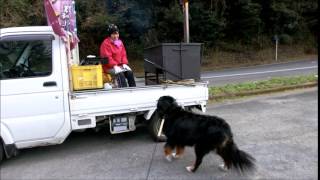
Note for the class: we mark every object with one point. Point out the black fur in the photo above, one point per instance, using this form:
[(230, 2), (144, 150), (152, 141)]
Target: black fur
[(206, 133)]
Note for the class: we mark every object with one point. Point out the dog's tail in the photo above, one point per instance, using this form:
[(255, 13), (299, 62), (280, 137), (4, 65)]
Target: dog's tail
[(234, 157)]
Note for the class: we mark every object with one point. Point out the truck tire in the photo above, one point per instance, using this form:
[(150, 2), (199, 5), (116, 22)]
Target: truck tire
[(154, 127), (1, 151)]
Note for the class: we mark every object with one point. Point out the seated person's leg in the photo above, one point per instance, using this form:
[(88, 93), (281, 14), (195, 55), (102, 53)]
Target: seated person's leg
[(121, 79), (130, 77)]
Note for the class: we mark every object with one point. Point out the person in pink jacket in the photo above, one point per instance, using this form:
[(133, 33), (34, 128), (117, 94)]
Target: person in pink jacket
[(113, 49)]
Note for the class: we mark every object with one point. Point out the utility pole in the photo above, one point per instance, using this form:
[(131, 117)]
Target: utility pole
[(186, 20), (276, 39)]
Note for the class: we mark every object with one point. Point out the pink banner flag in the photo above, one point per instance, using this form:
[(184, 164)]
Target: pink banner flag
[(61, 15), (74, 41), (53, 19)]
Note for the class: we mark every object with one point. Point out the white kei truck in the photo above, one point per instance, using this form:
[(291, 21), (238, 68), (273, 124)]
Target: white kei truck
[(40, 107)]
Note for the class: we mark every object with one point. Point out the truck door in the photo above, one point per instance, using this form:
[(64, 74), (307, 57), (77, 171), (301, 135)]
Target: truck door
[(31, 87)]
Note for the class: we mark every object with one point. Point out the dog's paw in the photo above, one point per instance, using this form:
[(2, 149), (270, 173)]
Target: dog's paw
[(169, 158), (223, 167), (190, 168)]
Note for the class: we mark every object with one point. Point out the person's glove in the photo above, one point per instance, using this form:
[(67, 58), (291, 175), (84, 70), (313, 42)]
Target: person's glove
[(117, 69), (126, 67)]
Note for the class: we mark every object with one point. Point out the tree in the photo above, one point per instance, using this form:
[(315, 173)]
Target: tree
[(243, 20), (168, 21), (206, 23), (21, 13), (143, 22)]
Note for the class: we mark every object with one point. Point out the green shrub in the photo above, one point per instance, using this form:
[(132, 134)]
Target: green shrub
[(285, 39)]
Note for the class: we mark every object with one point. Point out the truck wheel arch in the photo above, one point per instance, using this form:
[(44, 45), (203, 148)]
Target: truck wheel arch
[(7, 150), (6, 143), (6, 135)]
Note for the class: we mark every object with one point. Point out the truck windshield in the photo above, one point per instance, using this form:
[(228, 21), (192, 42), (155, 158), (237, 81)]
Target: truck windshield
[(21, 59)]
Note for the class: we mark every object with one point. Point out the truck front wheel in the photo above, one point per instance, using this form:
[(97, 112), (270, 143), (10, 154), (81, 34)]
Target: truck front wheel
[(154, 128), (1, 151)]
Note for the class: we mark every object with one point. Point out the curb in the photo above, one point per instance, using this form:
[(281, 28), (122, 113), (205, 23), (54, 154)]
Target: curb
[(272, 90)]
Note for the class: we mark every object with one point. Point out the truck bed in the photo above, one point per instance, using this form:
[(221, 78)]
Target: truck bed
[(134, 99)]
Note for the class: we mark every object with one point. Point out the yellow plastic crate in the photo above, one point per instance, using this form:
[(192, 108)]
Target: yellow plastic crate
[(87, 77)]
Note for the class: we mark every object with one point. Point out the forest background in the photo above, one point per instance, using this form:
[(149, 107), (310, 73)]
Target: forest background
[(233, 32)]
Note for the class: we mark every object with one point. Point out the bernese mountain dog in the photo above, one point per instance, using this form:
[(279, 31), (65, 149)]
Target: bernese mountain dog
[(206, 133)]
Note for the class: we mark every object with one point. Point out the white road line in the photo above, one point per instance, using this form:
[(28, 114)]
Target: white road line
[(263, 72)]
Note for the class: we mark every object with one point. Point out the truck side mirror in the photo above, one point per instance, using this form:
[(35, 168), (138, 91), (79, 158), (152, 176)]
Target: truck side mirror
[(91, 56)]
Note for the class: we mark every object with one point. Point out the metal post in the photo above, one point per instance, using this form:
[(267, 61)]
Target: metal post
[(276, 39), (186, 20), (276, 50)]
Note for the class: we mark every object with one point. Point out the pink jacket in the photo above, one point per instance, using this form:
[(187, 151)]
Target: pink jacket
[(116, 55)]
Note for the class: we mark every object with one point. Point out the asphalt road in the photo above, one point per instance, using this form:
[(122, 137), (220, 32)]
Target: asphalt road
[(261, 72), (279, 130), (255, 73)]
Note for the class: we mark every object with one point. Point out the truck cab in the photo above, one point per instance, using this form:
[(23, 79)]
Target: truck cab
[(33, 97)]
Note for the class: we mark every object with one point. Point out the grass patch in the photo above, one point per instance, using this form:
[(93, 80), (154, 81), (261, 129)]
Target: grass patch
[(241, 89)]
